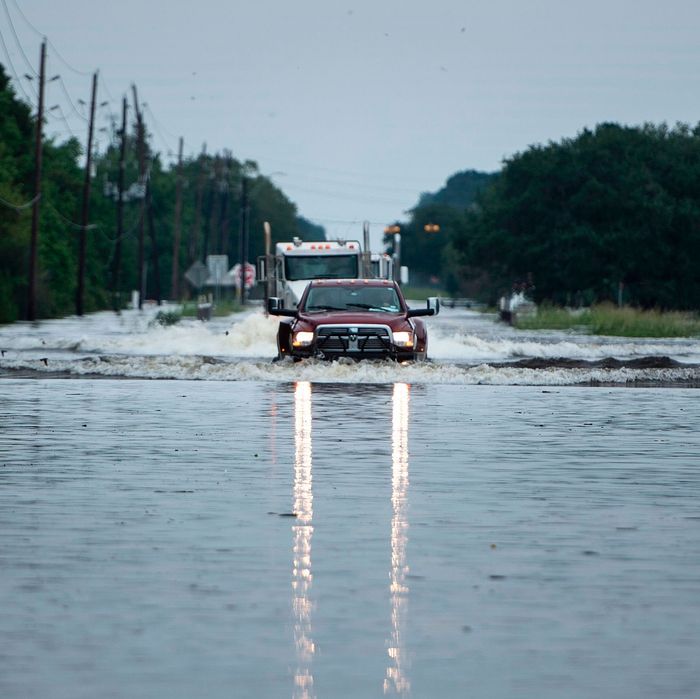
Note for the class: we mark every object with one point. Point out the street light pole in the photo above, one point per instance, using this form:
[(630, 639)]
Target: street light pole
[(397, 257)]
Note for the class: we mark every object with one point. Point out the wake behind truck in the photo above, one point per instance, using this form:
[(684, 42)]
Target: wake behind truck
[(296, 263)]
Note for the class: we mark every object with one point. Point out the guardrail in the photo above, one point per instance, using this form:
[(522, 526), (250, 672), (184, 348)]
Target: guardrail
[(455, 302)]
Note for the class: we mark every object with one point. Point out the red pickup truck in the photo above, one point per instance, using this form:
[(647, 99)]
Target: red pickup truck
[(356, 318)]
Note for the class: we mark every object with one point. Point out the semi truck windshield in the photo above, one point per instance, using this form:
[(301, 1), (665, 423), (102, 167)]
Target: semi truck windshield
[(320, 267)]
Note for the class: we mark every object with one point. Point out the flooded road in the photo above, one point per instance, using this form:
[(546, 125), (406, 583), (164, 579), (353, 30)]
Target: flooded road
[(465, 347), (353, 535)]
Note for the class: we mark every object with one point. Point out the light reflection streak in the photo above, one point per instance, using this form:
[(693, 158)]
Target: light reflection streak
[(273, 432), (396, 680), (302, 530)]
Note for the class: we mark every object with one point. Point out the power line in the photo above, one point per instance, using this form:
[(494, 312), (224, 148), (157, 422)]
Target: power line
[(20, 207), (114, 116), (110, 97), (73, 224), (346, 197), (123, 236), (41, 34), (363, 185), (313, 219), (29, 24), (65, 62), (103, 82), (70, 101), (65, 121), (126, 234), (56, 52), (164, 141), (18, 82), (158, 123), (17, 41), (349, 173)]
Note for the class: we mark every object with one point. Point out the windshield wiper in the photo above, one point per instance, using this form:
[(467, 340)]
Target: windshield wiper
[(368, 307), (324, 308)]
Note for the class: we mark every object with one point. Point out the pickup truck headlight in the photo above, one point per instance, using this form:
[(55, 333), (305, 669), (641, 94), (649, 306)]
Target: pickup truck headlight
[(302, 339), (403, 339)]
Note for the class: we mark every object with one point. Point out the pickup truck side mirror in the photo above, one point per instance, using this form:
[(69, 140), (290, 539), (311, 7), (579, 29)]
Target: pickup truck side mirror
[(275, 307), (434, 304), (432, 308)]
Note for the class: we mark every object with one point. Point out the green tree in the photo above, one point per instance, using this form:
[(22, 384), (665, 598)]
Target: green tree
[(614, 205), (426, 251), (217, 212)]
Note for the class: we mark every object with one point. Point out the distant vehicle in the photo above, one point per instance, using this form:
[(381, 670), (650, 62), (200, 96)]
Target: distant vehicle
[(356, 318), (297, 262), (517, 305)]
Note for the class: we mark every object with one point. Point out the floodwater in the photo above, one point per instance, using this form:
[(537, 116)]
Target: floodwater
[(243, 529), (465, 347)]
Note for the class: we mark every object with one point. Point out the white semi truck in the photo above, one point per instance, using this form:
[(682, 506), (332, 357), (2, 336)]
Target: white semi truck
[(295, 263)]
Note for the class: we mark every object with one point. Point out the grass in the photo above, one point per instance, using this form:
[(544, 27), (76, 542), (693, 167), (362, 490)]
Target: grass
[(606, 319), (166, 318), (420, 293), (552, 318)]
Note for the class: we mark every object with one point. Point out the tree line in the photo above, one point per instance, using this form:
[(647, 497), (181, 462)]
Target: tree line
[(212, 199), (612, 213)]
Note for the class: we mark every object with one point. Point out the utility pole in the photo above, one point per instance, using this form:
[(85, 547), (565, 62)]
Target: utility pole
[(116, 283), (31, 304), (196, 231), (154, 244), (80, 294), (142, 179), (214, 210), (224, 243), (267, 229), (246, 239), (397, 257), (175, 278), (243, 242)]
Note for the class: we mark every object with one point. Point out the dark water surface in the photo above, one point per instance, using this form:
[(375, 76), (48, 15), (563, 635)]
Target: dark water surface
[(253, 539)]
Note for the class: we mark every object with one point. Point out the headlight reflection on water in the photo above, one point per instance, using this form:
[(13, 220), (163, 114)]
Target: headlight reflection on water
[(302, 577), (396, 680)]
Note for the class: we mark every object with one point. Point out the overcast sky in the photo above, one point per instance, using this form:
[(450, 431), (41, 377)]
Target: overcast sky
[(355, 107)]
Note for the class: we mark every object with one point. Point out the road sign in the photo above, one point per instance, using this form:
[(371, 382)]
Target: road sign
[(197, 275), (249, 275), (218, 267)]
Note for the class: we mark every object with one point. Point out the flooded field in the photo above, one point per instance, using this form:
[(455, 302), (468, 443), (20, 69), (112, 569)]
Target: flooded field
[(345, 531)]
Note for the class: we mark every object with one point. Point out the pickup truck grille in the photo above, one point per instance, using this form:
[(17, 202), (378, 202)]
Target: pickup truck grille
[(353, 339)]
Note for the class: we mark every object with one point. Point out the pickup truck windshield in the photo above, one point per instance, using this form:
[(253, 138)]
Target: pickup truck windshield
[(320, 267), (345, 298)]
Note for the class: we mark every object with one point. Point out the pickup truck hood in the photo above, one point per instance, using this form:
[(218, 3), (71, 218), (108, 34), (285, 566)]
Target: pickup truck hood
[(394, 320)]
